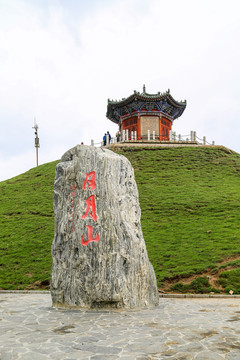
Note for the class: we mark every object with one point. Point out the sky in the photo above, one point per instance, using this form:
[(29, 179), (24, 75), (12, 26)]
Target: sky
[(61, 60)]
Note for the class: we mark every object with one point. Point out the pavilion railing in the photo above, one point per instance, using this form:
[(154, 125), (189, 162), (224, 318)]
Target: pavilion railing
[(127, 136)]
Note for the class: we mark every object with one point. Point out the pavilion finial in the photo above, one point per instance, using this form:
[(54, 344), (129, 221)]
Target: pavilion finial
[(144, 88)]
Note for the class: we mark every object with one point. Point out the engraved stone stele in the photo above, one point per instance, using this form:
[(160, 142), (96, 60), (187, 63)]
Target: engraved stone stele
[(99, 254)]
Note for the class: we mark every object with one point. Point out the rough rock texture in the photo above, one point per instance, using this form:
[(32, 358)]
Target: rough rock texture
[(96, 198)]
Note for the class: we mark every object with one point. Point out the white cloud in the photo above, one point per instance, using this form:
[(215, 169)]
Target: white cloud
[(61, 68), (14, 165)]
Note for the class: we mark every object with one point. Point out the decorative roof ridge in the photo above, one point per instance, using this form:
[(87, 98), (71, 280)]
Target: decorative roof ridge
[(135, 102), (175, 101), (145, 95)]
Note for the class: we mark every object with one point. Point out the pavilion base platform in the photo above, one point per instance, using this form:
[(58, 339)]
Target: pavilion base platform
[(154, 143)]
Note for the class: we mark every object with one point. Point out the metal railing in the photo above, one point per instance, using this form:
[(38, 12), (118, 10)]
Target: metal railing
[(127, 136)]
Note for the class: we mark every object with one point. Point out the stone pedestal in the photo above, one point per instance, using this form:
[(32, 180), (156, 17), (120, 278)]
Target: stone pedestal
[(99, 254)]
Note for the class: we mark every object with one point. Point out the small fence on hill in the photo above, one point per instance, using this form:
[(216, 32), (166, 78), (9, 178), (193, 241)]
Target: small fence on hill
[(128, 137)]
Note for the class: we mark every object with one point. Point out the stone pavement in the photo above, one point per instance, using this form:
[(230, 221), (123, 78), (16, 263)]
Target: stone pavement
[(178, 329)]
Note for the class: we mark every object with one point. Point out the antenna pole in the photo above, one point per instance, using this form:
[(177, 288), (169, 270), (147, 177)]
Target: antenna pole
[(37, 145), (37, 155)]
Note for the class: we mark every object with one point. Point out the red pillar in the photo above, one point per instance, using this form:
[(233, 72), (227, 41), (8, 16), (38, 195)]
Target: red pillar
[(139, 128)]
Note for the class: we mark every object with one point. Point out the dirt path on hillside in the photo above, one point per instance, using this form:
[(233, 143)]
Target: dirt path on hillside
[(212, 275)]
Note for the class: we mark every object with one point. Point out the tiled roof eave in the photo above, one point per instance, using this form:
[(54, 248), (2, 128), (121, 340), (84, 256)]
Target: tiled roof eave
[(147, 97)]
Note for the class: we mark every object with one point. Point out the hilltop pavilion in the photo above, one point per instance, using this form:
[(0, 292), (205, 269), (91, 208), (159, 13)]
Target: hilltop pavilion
[(141, 113)]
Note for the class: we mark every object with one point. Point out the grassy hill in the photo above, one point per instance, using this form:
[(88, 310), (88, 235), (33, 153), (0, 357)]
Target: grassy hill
[(26, 228), (190, 200)]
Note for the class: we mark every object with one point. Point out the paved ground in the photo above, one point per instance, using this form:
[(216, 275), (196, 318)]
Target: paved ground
[(199, 329)]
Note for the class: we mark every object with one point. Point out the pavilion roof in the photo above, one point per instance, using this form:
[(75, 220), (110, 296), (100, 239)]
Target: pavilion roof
[(163, 102)]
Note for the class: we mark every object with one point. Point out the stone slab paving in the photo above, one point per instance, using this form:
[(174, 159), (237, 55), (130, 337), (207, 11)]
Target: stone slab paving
[(178, 329)]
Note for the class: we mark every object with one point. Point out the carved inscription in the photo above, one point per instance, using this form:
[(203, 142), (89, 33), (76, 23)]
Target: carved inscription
[(90, 207)]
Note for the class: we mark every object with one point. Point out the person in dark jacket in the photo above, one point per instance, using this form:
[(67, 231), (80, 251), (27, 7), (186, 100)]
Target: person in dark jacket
[(109, 136), (104, 139)]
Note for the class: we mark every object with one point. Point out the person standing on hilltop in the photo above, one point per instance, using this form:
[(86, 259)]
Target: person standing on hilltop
[(118, 135), (104, 139), (109, 136)]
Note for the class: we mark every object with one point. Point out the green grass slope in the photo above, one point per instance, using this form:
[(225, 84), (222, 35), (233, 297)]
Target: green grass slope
[(190, 201), (26, 228)]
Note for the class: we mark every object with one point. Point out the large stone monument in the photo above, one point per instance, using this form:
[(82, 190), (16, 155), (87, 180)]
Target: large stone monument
[(99, 254)]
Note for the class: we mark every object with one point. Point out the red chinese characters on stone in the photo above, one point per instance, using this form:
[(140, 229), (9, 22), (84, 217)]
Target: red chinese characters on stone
[(90, 236), (73, 193), (90, 205), (90, 182)]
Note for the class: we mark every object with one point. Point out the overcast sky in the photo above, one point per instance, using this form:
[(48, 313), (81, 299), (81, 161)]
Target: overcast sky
[(60, 60)]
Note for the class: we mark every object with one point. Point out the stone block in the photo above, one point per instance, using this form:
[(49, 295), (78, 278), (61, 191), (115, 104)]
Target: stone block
[(99, 254)]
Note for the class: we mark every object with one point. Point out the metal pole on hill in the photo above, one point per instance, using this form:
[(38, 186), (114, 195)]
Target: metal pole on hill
[(37, 145)]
